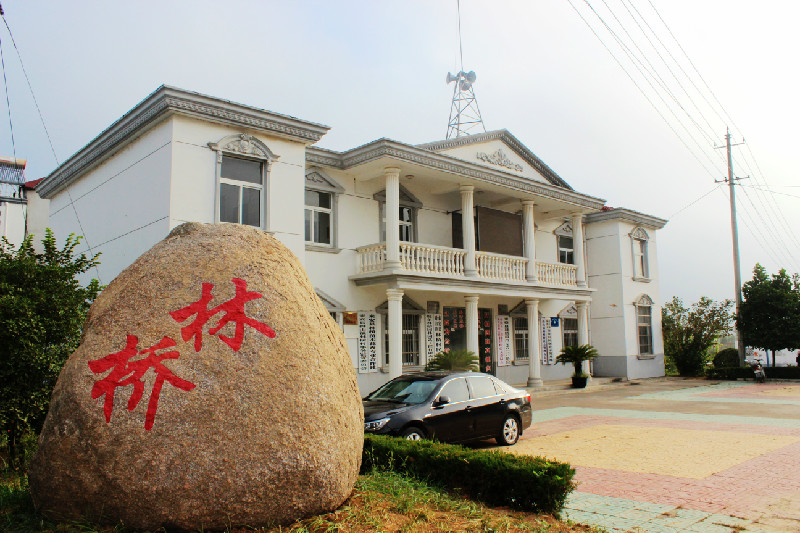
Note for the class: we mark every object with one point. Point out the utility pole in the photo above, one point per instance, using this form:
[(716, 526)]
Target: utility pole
[(737, 274)]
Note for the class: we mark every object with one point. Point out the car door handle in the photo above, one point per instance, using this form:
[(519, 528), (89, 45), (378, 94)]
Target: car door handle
[(469, 408)]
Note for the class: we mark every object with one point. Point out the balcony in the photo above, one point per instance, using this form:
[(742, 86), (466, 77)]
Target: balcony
[(439, 260)]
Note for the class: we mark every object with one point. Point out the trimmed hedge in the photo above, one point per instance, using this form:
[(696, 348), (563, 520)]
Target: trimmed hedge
[(727, 358), (733, 373), (495, 478)]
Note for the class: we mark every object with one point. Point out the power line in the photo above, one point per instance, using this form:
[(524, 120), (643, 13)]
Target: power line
[(8, 101), (690, 204), (30, 87), (643, 93)]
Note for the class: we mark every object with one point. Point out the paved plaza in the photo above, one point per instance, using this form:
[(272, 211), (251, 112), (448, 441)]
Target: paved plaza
[(676, 455)]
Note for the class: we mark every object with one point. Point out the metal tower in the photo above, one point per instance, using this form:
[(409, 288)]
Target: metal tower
[(465, 116)]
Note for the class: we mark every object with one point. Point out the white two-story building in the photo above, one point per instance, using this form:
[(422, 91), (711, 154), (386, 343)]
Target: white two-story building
[(469, 243)]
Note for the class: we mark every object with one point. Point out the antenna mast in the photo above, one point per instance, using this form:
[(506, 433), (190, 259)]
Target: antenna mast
[(465, 116)]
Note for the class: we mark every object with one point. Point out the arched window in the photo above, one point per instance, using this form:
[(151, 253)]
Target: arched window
[(566, 248), (644, 324), (641, 263), (243, 165)]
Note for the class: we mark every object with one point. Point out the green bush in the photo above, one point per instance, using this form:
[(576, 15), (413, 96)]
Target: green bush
[(727, 358), (495, 478)]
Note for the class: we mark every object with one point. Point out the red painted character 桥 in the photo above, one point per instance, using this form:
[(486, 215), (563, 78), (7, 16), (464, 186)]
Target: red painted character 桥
[(233, 311), (125, 372)]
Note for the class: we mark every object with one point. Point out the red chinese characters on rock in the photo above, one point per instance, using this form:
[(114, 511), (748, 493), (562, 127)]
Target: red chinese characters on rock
[(233, 311), (126, 372)]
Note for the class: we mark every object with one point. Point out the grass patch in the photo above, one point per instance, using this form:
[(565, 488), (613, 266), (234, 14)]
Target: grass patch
[(381, 501)]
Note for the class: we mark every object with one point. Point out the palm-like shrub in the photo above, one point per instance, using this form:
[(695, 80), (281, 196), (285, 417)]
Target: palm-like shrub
[(577, 355), (463, 360)]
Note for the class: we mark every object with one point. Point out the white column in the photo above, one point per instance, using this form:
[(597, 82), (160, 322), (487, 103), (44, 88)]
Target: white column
[(472, 325), (395, 325), (392, 217), (534, 357), (468, 230), (577, 243), (583, 329), (529, 226)]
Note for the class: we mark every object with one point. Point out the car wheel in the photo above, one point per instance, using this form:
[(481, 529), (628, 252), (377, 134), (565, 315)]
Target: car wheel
[(510, 432), (413, 433)]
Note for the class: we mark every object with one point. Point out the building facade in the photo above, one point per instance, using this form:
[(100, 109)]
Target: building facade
[(471, 243)]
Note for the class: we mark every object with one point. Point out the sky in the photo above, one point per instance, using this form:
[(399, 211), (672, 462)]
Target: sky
[(377, 69)]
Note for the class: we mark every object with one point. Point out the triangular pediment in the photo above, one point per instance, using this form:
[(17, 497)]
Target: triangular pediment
[(498, 150), (317, 179)]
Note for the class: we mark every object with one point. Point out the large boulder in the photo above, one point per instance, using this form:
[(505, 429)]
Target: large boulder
[(211, 389)]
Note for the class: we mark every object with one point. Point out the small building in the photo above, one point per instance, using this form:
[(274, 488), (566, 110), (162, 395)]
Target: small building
[(468, 243)]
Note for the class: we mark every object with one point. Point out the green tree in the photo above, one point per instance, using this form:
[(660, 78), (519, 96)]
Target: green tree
[(42, 310), (690, 332), (453, 360), (769, 316)]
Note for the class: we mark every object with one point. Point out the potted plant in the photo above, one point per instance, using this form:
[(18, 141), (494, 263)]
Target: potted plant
[(462, 360), (577, 355)]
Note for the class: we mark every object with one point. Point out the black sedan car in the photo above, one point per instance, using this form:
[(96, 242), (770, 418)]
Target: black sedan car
[(451, 407)]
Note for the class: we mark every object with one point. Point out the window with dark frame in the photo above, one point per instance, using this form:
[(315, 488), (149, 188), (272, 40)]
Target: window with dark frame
[(644, 321), (410, 339), (520, 325), (569, 328), (318, 217)]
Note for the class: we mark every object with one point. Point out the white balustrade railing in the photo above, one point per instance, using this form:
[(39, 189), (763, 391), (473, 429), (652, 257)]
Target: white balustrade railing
[(371, 258), (432, 259), (498, 266), (557, 274)]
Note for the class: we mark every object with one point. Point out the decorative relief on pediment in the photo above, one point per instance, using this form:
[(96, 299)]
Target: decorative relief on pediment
[(315, 177), (640, 234), (243, 144), (499, 158)]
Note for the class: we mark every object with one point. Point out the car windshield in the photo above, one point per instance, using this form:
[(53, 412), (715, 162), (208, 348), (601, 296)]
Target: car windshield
[(409, 390)]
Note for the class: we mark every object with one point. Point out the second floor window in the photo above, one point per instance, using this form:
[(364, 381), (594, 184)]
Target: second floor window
[(241, 191), (406, 217), (318, 217), (565, 250), (639, 241), (564, 243)]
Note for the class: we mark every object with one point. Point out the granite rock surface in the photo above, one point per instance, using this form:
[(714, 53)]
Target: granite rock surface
[(211, 389)]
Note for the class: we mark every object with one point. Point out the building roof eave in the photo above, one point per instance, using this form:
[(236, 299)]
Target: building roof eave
[(427, 158), (629, 215), (166, 101)]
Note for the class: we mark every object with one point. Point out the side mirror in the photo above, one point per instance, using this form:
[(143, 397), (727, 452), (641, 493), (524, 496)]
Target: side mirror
[(441, 400)]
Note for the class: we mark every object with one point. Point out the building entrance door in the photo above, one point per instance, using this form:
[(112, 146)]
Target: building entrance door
[(455, 335)]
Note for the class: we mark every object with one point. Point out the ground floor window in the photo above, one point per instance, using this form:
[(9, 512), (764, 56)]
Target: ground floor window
[(409, 342), (520, 324), (644, 323), (569, 327)]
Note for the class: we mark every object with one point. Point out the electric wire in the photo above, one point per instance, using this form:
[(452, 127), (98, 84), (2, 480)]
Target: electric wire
[(8, 102), (782, 250), (764, 244), (30, 87), (769, 214), (666, 64), (643, 93), (632, 57), (687, 206)]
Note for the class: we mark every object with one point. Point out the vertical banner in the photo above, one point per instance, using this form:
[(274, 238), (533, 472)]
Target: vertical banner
[(547, 341), (485, 341), (434, 335), (503, 340), (367, 342)]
